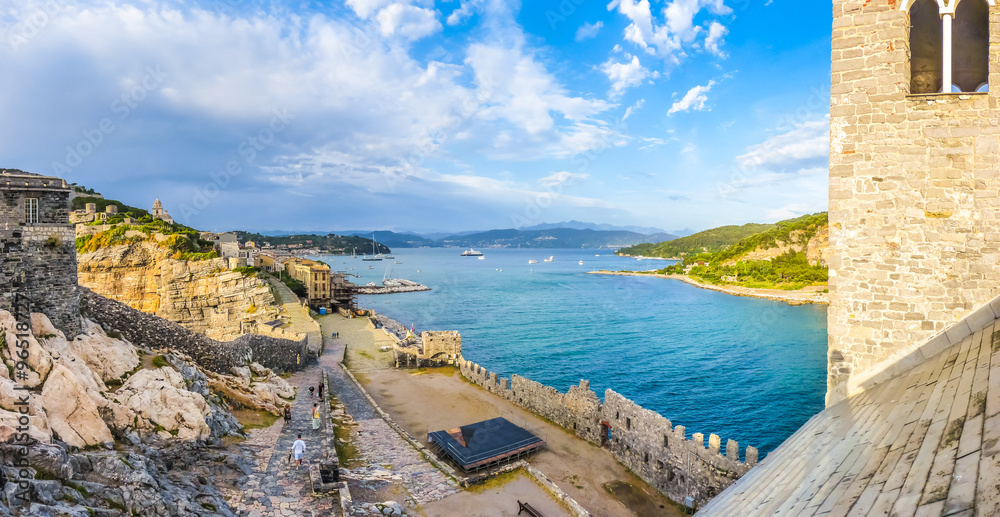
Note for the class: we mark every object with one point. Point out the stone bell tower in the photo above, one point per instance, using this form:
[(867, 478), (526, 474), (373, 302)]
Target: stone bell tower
[(914, 177)]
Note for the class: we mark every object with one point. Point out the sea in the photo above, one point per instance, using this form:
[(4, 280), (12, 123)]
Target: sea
[(747, 369)]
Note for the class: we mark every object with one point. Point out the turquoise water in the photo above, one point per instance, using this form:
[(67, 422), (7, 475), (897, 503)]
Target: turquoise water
[(744, 368)]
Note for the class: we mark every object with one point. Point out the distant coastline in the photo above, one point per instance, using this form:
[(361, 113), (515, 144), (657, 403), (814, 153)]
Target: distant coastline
[(792, 297)]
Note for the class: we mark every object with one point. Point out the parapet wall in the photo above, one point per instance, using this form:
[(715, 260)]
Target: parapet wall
[(144, 329), (640, 439)]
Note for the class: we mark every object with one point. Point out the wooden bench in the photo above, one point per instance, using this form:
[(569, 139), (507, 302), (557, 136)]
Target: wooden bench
[(525, 507)]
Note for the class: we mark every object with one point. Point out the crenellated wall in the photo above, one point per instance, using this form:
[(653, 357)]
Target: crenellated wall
[(642, 440)]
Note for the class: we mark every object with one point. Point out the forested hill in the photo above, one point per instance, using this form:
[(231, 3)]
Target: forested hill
[(708, 241), (790, 254)]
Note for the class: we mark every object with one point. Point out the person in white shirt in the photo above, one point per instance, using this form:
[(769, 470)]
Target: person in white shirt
[(299, 448)]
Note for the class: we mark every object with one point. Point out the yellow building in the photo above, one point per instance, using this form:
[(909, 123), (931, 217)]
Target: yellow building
[(315, 276)]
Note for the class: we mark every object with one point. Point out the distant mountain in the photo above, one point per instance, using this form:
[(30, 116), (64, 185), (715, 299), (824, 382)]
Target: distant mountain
[(554, 238), (577, 225), (393, 239), (683, 233)]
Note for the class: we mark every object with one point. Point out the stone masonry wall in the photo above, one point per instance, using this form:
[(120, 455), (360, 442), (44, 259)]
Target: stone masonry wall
[(640, 439), (914, 200), (281, 355), (38, 261)]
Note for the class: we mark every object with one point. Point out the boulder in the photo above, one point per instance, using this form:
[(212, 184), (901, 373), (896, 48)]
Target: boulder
[(12, 400), (9, 424), (108, 357), (160, 397), (38, 360), (71, 411), (54, 342)]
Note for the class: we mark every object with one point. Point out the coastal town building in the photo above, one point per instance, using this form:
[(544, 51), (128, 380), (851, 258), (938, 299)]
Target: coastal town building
[(89, 214), (316, 278), (912, 425), (343, 292), (38, 259), (159, 213)]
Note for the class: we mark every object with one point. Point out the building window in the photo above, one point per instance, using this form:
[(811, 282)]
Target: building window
[(31, 210), (949, 46)]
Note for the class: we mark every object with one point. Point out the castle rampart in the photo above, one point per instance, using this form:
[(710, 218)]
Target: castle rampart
[(640, 439), (914, 189)]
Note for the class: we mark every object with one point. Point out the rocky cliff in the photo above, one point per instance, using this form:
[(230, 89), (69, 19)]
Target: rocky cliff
[(815, 244), (100, 426), (203, 296)]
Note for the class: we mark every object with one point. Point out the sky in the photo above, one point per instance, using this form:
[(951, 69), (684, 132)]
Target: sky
[(422, 115)]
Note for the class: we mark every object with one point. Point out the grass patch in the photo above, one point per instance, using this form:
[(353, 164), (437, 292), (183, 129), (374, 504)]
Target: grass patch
[(160, 361), (447, 371), (254, 419)]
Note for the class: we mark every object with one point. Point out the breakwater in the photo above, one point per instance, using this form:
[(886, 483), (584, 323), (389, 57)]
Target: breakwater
[(392, 287), (644, 441)]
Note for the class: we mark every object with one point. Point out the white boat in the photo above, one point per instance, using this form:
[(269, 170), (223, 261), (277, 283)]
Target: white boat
[(581, 262), (472, 253), (482, 257), (532, 262), (550, 259)]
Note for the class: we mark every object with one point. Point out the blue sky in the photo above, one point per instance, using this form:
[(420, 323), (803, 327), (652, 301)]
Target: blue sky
[(425, 116)]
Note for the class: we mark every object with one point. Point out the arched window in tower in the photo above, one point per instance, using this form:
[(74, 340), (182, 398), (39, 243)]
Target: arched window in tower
[(970, 52), (926, 39)]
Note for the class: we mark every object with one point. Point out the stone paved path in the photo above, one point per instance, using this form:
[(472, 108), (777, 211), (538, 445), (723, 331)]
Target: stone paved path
[(277, 488), (388, 458), (299, 319)]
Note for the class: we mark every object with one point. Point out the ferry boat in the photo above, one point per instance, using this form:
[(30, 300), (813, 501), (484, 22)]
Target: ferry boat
[(472, 253), (532, 262)]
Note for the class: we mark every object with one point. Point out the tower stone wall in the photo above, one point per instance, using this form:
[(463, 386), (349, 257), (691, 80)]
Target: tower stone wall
[(914, 195), (38, 258)]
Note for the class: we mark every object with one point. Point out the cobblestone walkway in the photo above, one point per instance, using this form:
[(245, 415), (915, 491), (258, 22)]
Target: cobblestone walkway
[(277, 488), (299, 319), (387, 458)]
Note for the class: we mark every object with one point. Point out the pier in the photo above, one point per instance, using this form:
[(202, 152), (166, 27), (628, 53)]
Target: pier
[(393, 286)]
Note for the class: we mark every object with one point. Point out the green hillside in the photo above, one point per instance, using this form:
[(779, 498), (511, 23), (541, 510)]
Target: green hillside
[(790, 270), (712, 240)]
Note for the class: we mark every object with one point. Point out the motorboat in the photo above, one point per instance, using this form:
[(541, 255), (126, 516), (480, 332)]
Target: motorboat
[(581, 262), (532, 262), (482, 257), (550, 259)]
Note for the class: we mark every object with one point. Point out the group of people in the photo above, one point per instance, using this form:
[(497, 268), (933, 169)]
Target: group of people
[(299, 447)]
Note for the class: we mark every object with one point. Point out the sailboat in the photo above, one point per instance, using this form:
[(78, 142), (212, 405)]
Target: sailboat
[(377, 257)]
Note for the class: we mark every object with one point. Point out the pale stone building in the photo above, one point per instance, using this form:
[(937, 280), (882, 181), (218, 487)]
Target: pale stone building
[(914, 178), (159, 213), (315, 276)]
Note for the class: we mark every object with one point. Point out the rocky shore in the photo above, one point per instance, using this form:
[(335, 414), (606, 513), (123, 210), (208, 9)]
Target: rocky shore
[(800, 297)]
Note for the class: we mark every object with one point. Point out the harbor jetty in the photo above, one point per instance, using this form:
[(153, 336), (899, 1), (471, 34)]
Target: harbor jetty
[(393, 286)]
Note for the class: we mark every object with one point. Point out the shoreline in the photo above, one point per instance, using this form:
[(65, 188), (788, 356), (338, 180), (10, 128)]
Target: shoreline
[(800, 297)]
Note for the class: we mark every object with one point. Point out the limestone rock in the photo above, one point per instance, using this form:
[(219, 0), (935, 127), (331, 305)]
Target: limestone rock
[(54, 342), (38, 360), (160, 397), (12, 399), (9, 424), (72, 412), (108, 357)]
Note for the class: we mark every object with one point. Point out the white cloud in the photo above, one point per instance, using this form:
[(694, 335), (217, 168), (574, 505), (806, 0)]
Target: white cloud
[(713, 42), (694, 100), (517, 88), (464, 11), (626, 75), (667, 38), (633, 108), (407, 21), (588, 30), (366, 8), (804, 143), (559, 178)]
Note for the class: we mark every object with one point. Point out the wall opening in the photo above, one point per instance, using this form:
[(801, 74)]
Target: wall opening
[(926, 55), (970, 39)]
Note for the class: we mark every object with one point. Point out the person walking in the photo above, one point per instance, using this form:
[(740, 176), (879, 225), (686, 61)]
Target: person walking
[(321, 391), (288, 414), (311, 391), (316, 417), (299, 448)]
